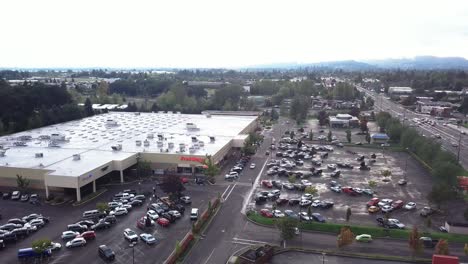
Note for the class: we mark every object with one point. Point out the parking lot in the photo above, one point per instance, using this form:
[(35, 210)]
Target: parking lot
[(63, 215), (416, 189)]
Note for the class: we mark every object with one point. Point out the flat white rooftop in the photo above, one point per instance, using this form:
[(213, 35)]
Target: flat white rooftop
[(94, 137)]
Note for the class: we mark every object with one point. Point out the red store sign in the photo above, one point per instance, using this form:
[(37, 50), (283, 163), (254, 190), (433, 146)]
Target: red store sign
[(196, 159)]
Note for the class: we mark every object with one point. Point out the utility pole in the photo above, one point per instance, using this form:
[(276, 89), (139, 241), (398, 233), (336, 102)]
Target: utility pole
[(459, 147)]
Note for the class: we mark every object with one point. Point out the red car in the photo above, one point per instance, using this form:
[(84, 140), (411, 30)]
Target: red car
[(163, 222), (267, 184), (373, 202), (266, 213), (349, 190), (184, 180), (88, 235), (397, 204)]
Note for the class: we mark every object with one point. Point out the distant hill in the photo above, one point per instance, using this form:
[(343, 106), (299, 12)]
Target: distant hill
[(416, 63)]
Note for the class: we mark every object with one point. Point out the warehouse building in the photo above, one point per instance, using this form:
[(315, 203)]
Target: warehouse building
[(73, 156)]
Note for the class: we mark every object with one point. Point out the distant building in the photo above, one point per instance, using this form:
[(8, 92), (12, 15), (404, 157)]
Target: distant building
[(396, 92), (442, 259), (343, 121), (434, 108), (205, 83), (246, 88)]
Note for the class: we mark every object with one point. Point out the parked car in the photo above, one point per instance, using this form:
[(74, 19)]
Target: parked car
[(106, 253), (318, 217), (39, 223), (16, 221), (77, 228), (373, 202), (386, 208), (100, 225), (291, 214), (152, 215), (186, 199), (278, 214), (148, 239), (6, 195), (111, 219), (130, 235), (8, 237), (24, 197), (364, 238), (281, 201), (294, 201), (410, 206), (402, 182), (54, 246), (76, 242), (163, 222), (267, 184), (397, 204), (16, 195), (304, 216), (373, 209), (88, 235), (395, 223), (119, 211), (426, 211), (69, 235), (266, 213)]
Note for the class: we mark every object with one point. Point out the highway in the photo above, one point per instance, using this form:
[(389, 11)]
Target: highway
[(451, 137)]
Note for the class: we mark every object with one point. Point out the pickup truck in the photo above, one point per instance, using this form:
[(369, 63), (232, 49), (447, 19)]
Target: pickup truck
[(428, 242)]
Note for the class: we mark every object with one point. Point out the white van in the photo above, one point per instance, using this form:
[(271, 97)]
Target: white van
[(194, 214)]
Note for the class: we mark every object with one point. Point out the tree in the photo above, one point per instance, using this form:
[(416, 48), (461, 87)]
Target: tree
[(102, 207), (348, 135), (465, 249), (22, 182), (441, 194), (292, 134), (346, 237), (88, 107), (329, 137), (323, 118), (442, 247), (172, 185), (311, 190), (41, 245), (465, 214), (286, 226), (372, 184), (363, 124), (211, 169), (415, 244), (309, 210), (102, 89), (348, 214), (428, 222), (386, 173), (274, 114), (292, 178), (311, 135)]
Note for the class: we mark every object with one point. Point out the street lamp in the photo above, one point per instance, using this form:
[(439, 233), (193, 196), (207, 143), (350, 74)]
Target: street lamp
[(132, 245), (459, 147), (323, 257), (406, 164)]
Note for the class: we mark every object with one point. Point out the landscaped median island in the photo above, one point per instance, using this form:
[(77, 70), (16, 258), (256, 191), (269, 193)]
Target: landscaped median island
[(373, 231)]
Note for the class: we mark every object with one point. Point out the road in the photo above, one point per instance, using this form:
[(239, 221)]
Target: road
[(450, 134)]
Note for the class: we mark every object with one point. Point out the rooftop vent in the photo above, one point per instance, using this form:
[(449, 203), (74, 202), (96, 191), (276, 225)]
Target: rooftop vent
[(208, 115), (117, 147), (2, 153), (53, 144), (146, 143), (57, 137), (170, 145), (24, 138), (194, 139), (39, 155), (212, 139), (151, 135), (191, 126), (76, 156), (19, 143), (138, 143)]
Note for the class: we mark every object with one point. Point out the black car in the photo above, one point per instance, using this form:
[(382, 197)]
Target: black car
[(106, 253), (77, 228), (294, 201), (10, 226), (6, 196), (16, 221), (259, 199), (277, 184), (136, 202), (326, 204), (299, 186), (8, 238), (110, 219), (87, 223), (178, 207), (335, 174), (169, 217), (20, 232), (101, 225)]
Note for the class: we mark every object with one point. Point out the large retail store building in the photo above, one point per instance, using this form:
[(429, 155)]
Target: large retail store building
[(72, 156)]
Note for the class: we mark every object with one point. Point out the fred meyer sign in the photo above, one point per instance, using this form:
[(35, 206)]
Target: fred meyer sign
[(196, 159)]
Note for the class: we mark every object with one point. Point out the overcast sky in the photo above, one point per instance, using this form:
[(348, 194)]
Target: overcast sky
[(199, 33)]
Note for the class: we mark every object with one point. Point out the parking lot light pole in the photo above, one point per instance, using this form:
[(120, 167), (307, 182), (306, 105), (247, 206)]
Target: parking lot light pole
[(406, 164), (323, 257), (459, 147), (132, 245)]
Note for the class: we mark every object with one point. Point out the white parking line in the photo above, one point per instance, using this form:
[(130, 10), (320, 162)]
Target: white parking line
[(249, 240), (226, 190), (246, 202), (230, 191), (208, 259)]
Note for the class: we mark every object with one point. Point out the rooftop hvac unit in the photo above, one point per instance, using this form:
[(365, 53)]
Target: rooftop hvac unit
[(192, 150), (146, 143), (39, 155), (111, 122), (201, 143), (19, 143), (24, 138), (160, 143), (138, 143), (137, 113), (170, 145), (2, 153), (208, 115), (53, 144), (117, 147), (194, 139), (212, 139), (151, 135), (191, 126), (76, 156), (57, 137)]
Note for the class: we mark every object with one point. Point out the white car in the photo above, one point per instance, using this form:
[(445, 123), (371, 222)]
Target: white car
[(55, 246), (69, 234), (306, 183), (316, 203), (148, 238), (231, 176), (76, 242), (304, 216), (175, 213), (186, 199), (152, 215), (386, 208), (252, 166), (306, 196), (305, 203), (331, 166), (384, 202), (119, 211), (410, 206), (130, 235), (278, 213), (396, 222)]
